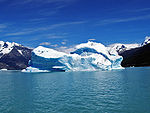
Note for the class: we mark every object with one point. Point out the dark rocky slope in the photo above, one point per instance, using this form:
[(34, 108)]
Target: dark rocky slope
[(16, 59), (136, 57)]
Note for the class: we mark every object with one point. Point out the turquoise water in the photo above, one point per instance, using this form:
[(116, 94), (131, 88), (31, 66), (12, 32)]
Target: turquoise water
[(118, 91)]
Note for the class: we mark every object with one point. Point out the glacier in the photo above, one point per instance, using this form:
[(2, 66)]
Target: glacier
[(90, 56)]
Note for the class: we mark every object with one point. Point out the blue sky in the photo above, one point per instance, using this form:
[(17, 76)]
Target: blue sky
[(57, 23)]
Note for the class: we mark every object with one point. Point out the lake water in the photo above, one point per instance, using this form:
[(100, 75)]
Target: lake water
[(117, 91)]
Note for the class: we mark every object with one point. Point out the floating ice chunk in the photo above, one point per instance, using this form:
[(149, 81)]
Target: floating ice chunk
[(32, 69), (3, 69)]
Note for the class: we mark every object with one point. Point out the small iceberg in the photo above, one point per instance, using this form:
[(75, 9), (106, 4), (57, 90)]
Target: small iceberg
[(3, 69)]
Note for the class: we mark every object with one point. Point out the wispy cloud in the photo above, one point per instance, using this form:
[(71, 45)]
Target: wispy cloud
[(24, 32), (56, 5), (41, 2), (63, 43), (55, 45), (45, 43), (63, 24), (2, 0), (47, 1), (37, 19), (47, 12), (138, 10), (54, 10), (45, 28), (66, 49), (53, 36), (92, 39), (48, 44), (121, 20), (2, 26)]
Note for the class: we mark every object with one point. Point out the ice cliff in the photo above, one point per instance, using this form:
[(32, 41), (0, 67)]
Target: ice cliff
[(90, 56)]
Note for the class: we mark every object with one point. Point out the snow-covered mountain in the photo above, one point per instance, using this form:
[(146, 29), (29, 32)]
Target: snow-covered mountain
[(118, 48), (6, 47), (136, 57), (86, 56), (14, 56), (147, 41), (90, 56)]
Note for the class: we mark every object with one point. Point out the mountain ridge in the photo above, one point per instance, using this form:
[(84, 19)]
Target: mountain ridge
[(14, 56)]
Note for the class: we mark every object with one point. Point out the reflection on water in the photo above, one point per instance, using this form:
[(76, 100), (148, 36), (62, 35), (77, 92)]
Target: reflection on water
[(118, 91)]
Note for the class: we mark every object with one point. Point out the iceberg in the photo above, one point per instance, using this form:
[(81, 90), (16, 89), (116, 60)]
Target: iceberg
[(3, 69), (90, 56)]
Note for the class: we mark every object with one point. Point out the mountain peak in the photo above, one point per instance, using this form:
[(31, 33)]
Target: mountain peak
[(14, 56), (147, 41)]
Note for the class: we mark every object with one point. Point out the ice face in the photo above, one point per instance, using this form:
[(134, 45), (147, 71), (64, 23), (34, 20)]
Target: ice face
[(89, 56)]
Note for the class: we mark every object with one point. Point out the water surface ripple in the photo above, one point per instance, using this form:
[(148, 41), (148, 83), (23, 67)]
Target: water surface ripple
[(118, 91)]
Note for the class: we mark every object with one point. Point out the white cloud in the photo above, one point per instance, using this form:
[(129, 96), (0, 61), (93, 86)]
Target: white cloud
[(2, 0), (55, 45), (46, 1), (41, 2), (57, 5), (38, 19), (18, 33), (44, 28), (63, 43), (138, 10), (65, 49), (2, 26), (91, 39), (120, 20), (62, 24), (53, 36), (45, 43)]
